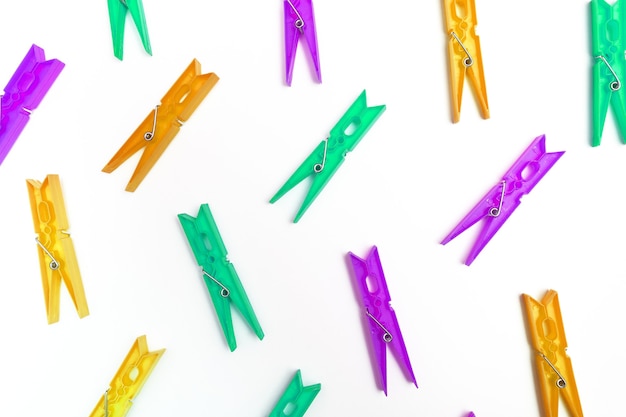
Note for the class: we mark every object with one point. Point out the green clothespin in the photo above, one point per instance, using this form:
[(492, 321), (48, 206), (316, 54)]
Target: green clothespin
[(219, 274), (117, 16), (296, 399), (608, 24), (324, 161)]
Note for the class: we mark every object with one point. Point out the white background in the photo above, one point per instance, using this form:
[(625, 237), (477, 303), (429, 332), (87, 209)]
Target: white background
[(410, 180)]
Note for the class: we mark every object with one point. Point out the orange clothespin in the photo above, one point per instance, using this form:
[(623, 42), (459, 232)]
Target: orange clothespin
[(163, 123), (464, 55), (553, 366), (57, 259), (128, 380)]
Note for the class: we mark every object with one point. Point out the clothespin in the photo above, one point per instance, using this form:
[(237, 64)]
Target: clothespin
[(300, 21), (382, 320), (324, 161), (218, 272), (464, 55), (553, 365), (296, 399), (57, 259), (471, 414), (128, 381), (163, 123), (504, 197), (25, 90), (117, 16), (608, 45)]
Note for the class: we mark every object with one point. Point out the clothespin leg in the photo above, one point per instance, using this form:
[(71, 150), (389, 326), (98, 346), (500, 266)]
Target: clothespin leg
[(72, 278), (600, 103), (477, 80), (457, 80), (291, 46), (135, 8), (304, 170), (117, 18)]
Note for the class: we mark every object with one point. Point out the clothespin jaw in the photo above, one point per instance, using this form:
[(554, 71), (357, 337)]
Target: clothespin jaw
[(553, 365), (163, 123), (465, 57), (609, 67), (128, 381), (296, 399), (117, 17), (380, 316), (503, 198), (328, 156), (218, 272), (300, 21), (57, 258), (23, 93)]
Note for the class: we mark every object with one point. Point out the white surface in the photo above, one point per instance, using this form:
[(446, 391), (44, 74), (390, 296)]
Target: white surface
[(410, 180)]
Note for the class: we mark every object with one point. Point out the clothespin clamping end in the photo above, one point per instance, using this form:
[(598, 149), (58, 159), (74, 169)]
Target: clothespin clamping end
[(163, 123), (300, 22), (328, 156), (554, 367), (464, 55), (296, 399), (23, 93), (128, 381), (504, 197), (117, 16), (609, 68), (57, 259), (218, 273), (381, 318)]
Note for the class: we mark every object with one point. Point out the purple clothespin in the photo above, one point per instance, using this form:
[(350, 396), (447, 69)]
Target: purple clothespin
[(383, 324), (299, 20), (500, 202), (23, 93)]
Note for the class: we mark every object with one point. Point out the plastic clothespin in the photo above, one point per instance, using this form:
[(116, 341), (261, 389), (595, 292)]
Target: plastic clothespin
[(553, 365), (57, 259), (296, 399), (464, 55), (608, 45), (128, 381), (300, 21), (25, 90), (500, 202), (218, 273), (382, 320), (117, 16), (163, 123), (324, 161)]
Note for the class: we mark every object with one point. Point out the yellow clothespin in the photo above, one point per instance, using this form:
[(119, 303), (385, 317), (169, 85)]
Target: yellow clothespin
[(163, 123), (57, 259), (554, 367), (128, 380), (464, 54)]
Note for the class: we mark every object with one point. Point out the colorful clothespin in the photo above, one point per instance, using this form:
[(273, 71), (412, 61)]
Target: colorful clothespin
[(300, 21), (324, 161), (128, 380), (296, 399), (464, 55), (500, 202), (382, 320), (25, 90), (471, 414), (218, 273), (57, 259), (609, 68), (117, 16), (553, 365), (163, 123)]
